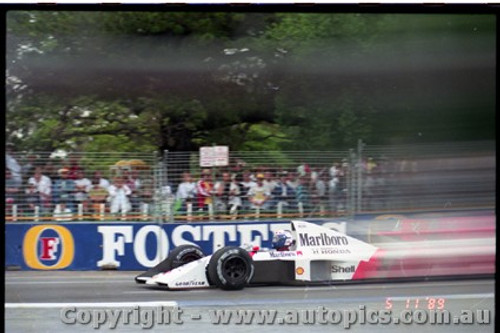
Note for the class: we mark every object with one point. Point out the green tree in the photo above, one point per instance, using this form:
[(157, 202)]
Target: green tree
[(315, 102), (254, 81), (147, 77), (384, 78)]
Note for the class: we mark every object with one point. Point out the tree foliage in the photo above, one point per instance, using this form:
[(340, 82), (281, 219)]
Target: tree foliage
[(254, 81)]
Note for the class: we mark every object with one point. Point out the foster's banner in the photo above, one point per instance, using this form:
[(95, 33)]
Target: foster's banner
[(126, 246)]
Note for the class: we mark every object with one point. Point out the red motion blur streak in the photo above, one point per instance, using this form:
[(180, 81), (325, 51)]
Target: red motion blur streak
[(451, 227), (459, 246), (369, 269), (465, 232)]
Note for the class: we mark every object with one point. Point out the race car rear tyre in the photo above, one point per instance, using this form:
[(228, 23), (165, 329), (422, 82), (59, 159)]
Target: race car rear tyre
[(182, 255), (230, 268)]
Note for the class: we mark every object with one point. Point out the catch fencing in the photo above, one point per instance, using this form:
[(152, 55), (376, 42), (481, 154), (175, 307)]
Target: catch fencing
[(293, 185), (426, 177), (267, 185), (81, 186)]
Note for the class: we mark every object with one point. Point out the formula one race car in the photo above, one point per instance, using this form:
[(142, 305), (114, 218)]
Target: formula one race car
[(315, 254)]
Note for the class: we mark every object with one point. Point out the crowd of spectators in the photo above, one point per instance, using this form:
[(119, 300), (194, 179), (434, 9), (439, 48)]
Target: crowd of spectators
[(41, 186), (31, 187), (229, 191), (70, 189)]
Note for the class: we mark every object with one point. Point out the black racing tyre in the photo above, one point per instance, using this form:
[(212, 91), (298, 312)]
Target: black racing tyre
[(230, 268), (179, 256), (182, 255)]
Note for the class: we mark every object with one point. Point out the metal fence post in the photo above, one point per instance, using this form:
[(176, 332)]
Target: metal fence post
[(80, 211), (359, 169), (102, 210), (352, 184), (157, 209), (301, 209), (14, 212), (189, 206), (170, 202), (279, 211), (156, 214)]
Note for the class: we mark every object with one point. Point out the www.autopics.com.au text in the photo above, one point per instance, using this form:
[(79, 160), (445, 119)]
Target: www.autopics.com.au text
[(147, 317)]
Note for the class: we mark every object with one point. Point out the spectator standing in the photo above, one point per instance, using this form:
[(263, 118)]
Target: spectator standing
[(222, 191), (246, 184), (136, 194), (165, 198), (315, 172), (269, 181), (379, 188), (302, 192), (259, 195), (370, 165), (333, 192), (73, 167), (32, 198), (234, 201), (334, 169), (63, 191), (103, 182), (50, 170), (132, 181), (186, 191), (282, 192), (320, 190), (368, 185), (342, 187), (13, 166), (28, 165), (238, 166), (204, 190), (97, 194), (119, 196), (11, 189), (292, 180), (82, 188), (303, 169), (39, 191), (147, 190)]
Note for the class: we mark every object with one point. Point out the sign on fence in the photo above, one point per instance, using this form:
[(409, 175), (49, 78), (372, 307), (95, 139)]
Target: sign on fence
[(214, 156)]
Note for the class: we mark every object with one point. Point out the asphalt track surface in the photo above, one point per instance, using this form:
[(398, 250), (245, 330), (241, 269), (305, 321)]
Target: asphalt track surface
[(34, 302)]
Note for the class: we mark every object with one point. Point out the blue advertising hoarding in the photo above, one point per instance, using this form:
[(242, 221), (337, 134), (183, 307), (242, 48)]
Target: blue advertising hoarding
[(125, 246), (139, 245)]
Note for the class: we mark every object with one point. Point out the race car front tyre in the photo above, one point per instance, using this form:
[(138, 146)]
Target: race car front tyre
[(230, 268), (179, 256), (182, 255)]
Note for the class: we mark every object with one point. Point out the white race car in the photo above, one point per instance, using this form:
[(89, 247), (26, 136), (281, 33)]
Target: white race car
[(317, 254)]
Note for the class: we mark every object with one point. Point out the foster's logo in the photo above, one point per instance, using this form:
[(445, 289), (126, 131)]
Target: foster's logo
[(48, 247)]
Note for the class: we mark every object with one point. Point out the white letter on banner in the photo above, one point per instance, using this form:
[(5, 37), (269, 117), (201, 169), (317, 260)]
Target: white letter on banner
[(110, 245), (219, 231), (178, 231), (140, 245), (246, 231)]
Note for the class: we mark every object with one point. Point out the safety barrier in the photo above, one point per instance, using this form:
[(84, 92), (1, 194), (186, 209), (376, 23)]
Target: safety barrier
[(426, 244)]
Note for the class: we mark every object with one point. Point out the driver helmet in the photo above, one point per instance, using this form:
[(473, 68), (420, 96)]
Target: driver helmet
[(282, 240)]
